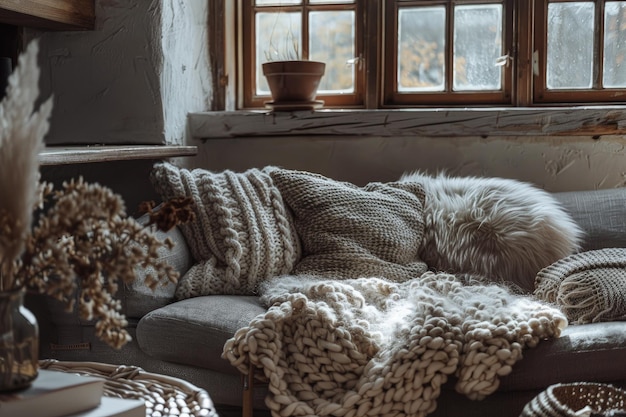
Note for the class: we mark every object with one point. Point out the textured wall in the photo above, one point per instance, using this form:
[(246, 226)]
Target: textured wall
[(133, 79), (556, 164), (186, 79)]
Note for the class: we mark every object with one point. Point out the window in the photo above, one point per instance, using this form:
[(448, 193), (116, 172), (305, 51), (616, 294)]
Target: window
[(581, 49), (413, 53)]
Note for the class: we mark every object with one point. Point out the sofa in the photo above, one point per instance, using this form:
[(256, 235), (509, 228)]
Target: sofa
[(185, 337)]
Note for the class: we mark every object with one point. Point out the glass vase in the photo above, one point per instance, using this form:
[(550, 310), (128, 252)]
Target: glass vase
[(19, 342)]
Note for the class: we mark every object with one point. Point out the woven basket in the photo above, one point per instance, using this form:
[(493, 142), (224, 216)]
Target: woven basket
[(164, 395), (579, 400)]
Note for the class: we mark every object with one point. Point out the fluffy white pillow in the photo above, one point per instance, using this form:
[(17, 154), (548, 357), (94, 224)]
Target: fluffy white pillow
[(502, 229)]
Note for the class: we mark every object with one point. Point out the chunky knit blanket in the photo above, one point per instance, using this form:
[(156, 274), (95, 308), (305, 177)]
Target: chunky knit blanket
[(371, 347)]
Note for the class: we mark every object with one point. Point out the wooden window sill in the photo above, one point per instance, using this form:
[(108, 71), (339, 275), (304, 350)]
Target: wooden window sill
[(65, 155), (438, 122)]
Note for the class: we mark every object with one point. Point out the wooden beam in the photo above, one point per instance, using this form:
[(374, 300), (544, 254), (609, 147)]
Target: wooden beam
[(49, 14), (484, 122)]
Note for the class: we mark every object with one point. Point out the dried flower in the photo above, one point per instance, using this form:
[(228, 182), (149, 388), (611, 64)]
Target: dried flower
[(170, 213), (75, 244)]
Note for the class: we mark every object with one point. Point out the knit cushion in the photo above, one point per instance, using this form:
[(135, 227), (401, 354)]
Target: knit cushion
[(242, 233), (588, 286), (351, 232), (498, 228), (138, 298), (580, 399)]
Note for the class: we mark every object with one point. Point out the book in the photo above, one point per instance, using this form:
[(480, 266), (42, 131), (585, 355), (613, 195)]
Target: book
[(53, 394), (116, 407)]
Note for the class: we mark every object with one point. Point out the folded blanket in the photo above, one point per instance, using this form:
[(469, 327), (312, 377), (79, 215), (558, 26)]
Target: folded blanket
[(588, 286)]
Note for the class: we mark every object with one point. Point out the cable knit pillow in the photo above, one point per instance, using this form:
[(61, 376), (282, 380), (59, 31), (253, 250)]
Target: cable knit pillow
[(502, 229), (242, 234), (351, 232)]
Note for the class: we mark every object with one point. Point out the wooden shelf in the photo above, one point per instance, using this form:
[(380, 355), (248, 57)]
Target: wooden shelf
[(65, 155), (49, 14)]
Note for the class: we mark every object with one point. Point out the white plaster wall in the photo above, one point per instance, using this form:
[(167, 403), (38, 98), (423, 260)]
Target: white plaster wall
[(186, 77), (133, 79), (555, 164)]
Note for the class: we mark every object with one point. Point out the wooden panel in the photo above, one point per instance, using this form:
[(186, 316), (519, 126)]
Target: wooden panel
[(49, 14)]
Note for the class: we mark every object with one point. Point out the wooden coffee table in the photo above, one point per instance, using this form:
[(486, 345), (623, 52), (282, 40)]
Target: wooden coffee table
[(164, 395)]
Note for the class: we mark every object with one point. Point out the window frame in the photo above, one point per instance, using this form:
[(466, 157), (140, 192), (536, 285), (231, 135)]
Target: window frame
[(522, 88), (543, 95), (393, 98), (248, 56)]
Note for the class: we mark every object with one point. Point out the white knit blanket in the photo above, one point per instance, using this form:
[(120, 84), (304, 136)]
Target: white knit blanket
[(369, 347)]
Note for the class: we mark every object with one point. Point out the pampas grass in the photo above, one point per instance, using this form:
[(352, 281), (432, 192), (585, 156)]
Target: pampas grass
[(21, 138)]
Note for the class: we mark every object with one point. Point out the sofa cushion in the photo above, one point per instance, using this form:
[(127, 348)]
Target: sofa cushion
[(592, 352), (351, 232), (193, 331), (137, 298)]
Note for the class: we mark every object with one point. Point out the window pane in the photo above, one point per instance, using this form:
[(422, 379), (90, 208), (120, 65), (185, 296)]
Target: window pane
[(332, 40), (614, 75), (477, 46), (421, 46), (330, 1), (570, 45), (277, 38), (276, 2)]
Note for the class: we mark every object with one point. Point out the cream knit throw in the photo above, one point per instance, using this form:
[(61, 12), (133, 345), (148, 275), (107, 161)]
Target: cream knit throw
[(242, 234), (588, 286), (370, 347)]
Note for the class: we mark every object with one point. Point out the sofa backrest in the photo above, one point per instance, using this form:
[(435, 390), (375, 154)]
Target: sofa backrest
[(600, 213)]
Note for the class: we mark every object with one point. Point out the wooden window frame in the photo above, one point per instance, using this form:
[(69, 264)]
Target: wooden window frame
[(524, 38), (597, 94), (394, 98), (248, 57)]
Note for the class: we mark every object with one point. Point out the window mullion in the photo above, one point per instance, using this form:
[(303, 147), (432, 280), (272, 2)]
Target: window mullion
[(305, 31), (523, 52), (371, 85), (449, 64), (598, 41)]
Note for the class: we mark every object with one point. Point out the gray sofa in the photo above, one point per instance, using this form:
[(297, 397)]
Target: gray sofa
[(185, 338)]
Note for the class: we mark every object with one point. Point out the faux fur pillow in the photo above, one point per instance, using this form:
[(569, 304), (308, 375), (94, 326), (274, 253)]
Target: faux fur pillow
[(503, 229), (351, 232), (242, 234)]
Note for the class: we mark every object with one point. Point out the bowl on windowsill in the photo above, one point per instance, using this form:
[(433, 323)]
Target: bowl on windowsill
[(293, 84)]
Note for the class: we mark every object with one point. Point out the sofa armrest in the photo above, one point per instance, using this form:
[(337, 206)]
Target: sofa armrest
[(137, 298)]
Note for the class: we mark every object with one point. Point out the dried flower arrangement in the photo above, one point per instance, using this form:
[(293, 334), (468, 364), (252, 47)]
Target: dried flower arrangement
[(75, 243)]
